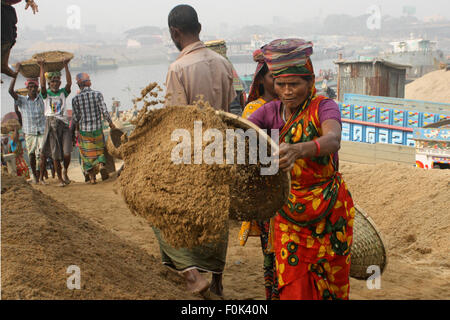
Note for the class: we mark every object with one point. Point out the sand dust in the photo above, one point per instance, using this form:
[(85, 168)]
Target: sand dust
[(434, 86), (409, 206), (41, 238)]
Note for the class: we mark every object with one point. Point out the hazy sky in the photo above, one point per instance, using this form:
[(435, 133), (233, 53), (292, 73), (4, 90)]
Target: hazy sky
[(119, 15)]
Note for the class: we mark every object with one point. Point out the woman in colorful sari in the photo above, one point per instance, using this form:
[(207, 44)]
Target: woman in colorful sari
[(261, 92), (313, 231), (15, 146)]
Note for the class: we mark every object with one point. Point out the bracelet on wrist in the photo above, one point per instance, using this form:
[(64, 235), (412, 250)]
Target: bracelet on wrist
[(317, 148)]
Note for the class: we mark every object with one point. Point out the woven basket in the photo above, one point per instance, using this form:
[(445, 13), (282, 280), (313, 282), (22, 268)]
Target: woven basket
[(114, 141), (218, 46), (368, 248), (246, 201), (10, 125), (30, 69), (54, 60), (22, 92)]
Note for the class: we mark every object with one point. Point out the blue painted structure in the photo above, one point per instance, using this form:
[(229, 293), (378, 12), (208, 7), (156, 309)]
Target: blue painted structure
[(372, 119)]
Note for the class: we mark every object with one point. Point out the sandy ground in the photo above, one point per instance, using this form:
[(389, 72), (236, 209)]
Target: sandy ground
[(243, 277)]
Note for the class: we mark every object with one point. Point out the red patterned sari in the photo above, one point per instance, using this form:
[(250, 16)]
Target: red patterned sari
[(313, 231)]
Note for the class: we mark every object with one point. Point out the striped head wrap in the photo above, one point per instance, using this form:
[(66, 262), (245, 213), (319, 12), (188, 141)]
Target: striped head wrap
[(254, 93), (289, 57)]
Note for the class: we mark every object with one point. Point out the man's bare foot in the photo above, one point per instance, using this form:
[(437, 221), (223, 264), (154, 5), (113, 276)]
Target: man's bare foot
[(195, 282), (66, 177), (104, 172), (61, 183)]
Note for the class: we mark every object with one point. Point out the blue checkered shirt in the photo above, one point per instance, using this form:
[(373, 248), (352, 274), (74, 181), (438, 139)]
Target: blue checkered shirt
[(33, 116), (88, 107)]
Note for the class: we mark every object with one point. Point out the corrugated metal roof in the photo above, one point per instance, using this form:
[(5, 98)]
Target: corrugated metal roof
[(374, 61)]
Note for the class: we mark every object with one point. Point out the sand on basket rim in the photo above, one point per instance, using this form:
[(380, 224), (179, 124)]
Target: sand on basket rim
[(277, 200)]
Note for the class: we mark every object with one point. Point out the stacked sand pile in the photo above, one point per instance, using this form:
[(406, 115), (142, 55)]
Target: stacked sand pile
[(41, 238), (409, 205), (434, 86)]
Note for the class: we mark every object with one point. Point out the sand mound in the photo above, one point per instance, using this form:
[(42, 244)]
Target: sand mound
[(41, 238), (434, 86), (409, 205), (183, 200)]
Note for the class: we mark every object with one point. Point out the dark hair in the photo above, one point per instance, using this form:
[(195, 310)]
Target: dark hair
[(307, 78), (185, 18), (262, 73)]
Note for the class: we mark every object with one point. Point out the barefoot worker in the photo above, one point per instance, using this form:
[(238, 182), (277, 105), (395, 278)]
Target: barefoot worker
[(261, 92), (88, 107), (197, 72), (313, 231), (30, 110), (57, 142)]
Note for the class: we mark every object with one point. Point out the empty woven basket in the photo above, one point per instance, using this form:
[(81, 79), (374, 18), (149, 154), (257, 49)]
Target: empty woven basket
[(368, 248)]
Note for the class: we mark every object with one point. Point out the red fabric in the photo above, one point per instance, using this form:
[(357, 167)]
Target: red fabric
[(314, 229)]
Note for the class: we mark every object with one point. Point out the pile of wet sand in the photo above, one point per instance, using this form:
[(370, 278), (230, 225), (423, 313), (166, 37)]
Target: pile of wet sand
[(41, 238)]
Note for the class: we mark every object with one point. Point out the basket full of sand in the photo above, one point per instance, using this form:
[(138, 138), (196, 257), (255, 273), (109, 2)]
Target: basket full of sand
[(10, 125), (190, 201), (29, 68), (54, 61)]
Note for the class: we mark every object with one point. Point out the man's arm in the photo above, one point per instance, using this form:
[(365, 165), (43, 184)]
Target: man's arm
[(42, 78), (68, 86), (104, 110), (11, 91)]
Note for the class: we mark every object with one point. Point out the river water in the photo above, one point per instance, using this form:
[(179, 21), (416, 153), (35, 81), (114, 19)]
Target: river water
[(124, 83)]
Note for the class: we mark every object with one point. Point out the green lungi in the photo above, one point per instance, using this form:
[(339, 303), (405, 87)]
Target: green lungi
[(92, 149), (210, 257)]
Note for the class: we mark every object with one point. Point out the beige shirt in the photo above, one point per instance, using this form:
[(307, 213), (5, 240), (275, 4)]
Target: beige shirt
[(200, 72)]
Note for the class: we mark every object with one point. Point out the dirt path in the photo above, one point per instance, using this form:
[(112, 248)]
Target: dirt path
[(243, 277)]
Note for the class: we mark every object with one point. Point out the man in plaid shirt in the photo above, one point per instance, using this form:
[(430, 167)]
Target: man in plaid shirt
[(30, 111), (88, 107)]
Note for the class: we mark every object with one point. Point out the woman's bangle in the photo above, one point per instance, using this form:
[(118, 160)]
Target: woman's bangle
[(317, 148)]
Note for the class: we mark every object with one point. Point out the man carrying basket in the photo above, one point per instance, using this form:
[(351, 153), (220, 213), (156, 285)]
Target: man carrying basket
[(57, 142)]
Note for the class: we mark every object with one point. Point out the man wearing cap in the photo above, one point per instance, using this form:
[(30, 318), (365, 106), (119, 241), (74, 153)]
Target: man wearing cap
[(58, 142), (30, 111), (88, 107)]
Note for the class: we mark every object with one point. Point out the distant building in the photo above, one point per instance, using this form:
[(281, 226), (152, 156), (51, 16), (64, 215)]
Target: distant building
[(376, 77), (420, 54)]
